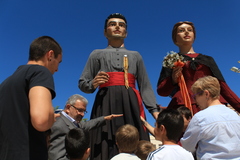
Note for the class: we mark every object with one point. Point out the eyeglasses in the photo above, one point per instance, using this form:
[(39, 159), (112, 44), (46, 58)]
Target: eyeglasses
[(198, 93), (79, 110)]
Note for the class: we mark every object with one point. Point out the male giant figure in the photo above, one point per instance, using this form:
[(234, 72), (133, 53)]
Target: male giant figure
[(114, 70)]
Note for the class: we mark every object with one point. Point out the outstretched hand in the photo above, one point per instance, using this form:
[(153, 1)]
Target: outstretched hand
[(155, 115), (143, 120), (100, 78), (147, 125), (110, 117), (56, 115)]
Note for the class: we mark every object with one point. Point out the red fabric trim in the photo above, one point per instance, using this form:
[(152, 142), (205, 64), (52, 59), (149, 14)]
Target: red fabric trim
[(117, 79), (184, 93)]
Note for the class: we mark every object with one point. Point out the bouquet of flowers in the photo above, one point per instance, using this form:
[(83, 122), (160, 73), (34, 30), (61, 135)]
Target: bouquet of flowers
[(172, 60)]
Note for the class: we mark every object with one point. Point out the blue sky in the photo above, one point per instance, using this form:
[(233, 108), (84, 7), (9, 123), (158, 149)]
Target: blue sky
[(78, 26)]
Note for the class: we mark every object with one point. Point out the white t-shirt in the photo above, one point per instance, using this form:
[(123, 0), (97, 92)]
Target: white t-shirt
[(170, 152), (125, 156)]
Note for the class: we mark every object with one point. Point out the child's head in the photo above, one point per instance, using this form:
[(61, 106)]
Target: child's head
[(169, 125), (127, 138), (77, 144), (187, 115), (144, 148)]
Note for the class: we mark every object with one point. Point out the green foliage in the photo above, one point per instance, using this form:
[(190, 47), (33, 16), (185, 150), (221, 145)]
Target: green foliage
[(55, 108), (84, 120)]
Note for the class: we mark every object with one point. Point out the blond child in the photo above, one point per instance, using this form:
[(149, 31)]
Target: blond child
[(127, 138)]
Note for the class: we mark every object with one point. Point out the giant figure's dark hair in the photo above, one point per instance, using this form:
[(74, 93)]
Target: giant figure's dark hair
[(115, 15)]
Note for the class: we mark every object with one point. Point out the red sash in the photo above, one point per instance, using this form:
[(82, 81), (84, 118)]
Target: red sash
[(117, 79)]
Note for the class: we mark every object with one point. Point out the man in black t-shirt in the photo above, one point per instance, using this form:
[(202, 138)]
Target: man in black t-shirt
[(25, 103)]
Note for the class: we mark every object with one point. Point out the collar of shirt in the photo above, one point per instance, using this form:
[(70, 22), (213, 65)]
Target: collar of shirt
[(67, 116), (111, 47)]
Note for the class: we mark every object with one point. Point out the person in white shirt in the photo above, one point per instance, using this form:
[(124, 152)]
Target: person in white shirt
[(169, 128), (213, 133), (127, 139)]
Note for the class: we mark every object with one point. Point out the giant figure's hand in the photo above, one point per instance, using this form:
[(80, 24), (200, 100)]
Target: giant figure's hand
[(100, 78), (176, 73)]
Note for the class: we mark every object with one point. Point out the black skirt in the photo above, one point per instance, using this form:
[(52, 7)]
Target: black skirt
[(114, 100)]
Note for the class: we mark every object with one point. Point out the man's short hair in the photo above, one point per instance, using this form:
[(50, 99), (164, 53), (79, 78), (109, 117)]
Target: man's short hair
[(115, 15), (41, 45), (72, 100), (76, 143), (127, 138), (173, 122)]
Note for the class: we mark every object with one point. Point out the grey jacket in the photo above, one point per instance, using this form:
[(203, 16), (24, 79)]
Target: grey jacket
[(60, 128)]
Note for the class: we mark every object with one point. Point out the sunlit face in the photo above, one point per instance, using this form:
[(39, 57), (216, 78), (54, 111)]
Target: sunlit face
[(76, 111), (201, 100), (184, 35), (54, 63), (116, 28)]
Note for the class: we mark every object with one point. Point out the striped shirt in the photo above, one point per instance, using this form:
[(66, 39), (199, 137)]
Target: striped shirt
[(170, 152)]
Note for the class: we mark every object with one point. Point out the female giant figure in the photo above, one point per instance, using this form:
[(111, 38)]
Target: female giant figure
[(197, 65)]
